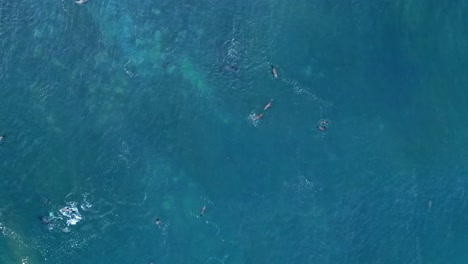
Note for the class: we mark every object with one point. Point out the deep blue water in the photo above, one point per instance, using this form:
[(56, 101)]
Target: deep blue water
[(120, 112)]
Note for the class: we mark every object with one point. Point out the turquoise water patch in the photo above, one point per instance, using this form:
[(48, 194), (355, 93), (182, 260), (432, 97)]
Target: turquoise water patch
[(194, 77)]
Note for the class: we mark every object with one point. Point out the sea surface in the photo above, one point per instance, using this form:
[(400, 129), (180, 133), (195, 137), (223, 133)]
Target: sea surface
[(118, 113)]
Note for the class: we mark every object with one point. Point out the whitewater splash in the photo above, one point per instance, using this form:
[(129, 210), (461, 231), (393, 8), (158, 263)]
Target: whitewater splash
[(71, 214), (67, 216)]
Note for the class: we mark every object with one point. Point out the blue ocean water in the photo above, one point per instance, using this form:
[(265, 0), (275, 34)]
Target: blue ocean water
[(120, 112)]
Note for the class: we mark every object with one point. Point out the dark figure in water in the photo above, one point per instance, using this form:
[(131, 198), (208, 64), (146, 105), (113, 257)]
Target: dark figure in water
[(165, 64), (230, 69), (44, 219), (234, 67)]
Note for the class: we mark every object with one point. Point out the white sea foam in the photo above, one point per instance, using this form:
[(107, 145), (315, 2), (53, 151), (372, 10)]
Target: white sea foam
[(86, 204), (71, 213)]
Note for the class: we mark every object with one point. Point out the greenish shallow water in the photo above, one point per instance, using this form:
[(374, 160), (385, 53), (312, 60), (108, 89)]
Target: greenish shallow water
[(128, 111)]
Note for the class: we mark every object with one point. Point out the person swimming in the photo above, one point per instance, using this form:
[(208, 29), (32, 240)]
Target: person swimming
[(158, 222), (68, 210), (203, 210), (257, 117), (273, 71), (323, 124), (80, 2), (2, 137), (322, 128), (268, 105), (234, 67)]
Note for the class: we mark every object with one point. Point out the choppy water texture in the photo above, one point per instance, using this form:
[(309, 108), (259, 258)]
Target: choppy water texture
[(120, 112)]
